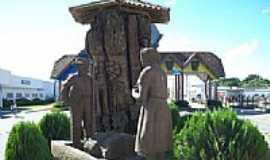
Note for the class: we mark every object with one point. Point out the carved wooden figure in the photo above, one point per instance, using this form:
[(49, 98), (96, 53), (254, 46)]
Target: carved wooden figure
[(119, 29), (77, 92), (154, 133)]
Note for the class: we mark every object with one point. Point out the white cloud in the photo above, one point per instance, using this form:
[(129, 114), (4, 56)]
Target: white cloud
[(243, 50), (172, 43), (170, 2), (238, 61), (265, 10)]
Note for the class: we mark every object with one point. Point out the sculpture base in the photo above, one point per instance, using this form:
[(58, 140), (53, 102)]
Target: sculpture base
[(103, 146), (63, 150)]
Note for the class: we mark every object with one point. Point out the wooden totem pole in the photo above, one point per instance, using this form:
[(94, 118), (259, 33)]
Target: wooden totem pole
[(119, 29)]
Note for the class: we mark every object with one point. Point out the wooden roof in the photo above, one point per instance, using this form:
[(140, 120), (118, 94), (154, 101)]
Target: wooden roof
[(86, 13), (210, 60), (61, 64)]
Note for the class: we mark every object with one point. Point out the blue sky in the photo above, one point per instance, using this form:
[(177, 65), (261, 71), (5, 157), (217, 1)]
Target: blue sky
[(33, 34)]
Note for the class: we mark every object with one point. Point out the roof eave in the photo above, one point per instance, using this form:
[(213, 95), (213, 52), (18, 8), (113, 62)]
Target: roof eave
[(85, 14)]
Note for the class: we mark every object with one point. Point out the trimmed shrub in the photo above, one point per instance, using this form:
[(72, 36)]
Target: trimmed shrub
[(178, 121), (59, 105), (26, 102), (219, 135), (25, 142), (38, 101), (182, 104), (175, 113), (181, 123), (55, 126), (213, 104), (7, 103), (23, 102)]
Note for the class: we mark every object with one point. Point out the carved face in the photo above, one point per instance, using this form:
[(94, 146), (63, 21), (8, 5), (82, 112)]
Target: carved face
[(149, 57)]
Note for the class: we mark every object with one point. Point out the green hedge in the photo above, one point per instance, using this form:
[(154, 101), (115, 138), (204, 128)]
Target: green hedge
[(27, 102), (213, 104), (59, 105), (55, 126), (182, 104), (219, 135), (7, 103), (25, 142), (178, 121), (175, 113)]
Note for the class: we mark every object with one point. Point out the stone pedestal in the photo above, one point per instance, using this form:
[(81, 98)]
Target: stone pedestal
[(62, 150), (111, 145), (103, 146)]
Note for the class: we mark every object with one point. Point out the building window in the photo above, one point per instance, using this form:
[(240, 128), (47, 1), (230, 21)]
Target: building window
[(27, 95), (26, 82), (34, 95), (9, 95), (18, 95), (41, 95)]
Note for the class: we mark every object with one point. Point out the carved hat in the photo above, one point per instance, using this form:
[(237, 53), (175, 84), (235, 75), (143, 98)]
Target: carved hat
[(150, 55)]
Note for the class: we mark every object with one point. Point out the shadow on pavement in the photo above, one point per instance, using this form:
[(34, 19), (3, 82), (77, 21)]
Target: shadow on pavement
[(5, 116), (8, 113), (249, 112)]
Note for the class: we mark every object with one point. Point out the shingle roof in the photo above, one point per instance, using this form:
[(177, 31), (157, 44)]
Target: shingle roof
[(85, 13), (61, 64), (212, 62)]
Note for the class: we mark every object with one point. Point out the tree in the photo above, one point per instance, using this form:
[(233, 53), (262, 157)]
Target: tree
[(252, 77), (255, 81), (229, 82), (251, 81)]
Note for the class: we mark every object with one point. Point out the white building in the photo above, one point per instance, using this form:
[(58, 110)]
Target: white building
[(257, 92), (194, 88), (17, 87)]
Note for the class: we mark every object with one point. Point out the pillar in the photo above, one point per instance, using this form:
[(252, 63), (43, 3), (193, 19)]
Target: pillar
[(175, 87), (210, 90), (59, 89), (215, 90), (182, 86), (207, 89), (187, 87)]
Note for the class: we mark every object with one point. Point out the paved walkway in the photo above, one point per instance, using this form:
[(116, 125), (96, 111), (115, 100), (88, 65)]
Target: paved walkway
[(259, 118)]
